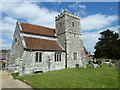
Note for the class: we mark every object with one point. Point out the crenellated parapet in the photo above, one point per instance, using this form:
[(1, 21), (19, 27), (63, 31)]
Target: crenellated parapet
[(68, 14)]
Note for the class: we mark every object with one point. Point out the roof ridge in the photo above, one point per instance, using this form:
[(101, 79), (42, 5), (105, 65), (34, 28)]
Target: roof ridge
[(37, 25)]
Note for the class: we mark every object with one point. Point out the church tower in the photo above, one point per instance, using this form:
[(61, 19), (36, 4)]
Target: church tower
[(69, 36)]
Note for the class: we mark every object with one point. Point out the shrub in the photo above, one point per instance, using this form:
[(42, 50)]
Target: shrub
[(14, 75)]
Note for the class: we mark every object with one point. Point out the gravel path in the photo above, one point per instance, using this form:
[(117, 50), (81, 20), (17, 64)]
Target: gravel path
[(9, 82)]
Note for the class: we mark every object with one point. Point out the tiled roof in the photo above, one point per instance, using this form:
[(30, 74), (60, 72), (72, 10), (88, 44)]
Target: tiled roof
[(41, 44), (85, 51), (35, 29), (89, 54)]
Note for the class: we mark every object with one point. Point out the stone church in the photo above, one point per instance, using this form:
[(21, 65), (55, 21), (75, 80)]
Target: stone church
[(40, 49)]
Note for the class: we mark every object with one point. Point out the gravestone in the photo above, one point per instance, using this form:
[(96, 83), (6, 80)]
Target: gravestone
[(110, 65), (118, 65), (100, 63), (91, 65)]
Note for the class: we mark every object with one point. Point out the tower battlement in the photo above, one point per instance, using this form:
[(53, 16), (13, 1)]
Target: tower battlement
[(68, 14)]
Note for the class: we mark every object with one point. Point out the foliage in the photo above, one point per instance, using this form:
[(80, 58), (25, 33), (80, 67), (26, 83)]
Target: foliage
[(75, 78), (14, 75), (108, 45), (4, 50)]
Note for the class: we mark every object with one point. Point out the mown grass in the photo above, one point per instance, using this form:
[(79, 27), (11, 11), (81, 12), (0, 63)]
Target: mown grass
[(75, 78)]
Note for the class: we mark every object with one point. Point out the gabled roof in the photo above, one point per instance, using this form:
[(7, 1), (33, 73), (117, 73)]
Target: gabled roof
[(41, 44), (85, 50), (89, 54), (39, 30)]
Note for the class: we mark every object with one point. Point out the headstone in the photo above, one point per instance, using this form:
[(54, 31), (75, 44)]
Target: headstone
[(91, 65), (118, 65), (96, 65), (100, 63), (110, 65)]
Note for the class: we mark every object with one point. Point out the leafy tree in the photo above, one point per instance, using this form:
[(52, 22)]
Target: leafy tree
[(108, 45), (4, 50)]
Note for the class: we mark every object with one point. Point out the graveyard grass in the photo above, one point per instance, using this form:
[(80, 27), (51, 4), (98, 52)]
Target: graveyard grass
[(75, 78)]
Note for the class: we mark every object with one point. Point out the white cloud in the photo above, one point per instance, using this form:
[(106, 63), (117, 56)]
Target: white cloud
[(90, 39), (27, 11), (97, 21), (8, 26), (31, 12), (81, 12), (82, 6), (115, 29), (76, 5), (4, 44)]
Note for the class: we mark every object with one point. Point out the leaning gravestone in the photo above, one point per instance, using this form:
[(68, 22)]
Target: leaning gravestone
[(110, 65)]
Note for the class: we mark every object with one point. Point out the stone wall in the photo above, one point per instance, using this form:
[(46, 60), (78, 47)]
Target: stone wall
[(69, 36), (17, 47), (16, 51), (29, 66)]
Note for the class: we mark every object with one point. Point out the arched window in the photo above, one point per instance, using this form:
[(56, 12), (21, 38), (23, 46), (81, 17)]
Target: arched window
[(73, 24), (75, 56), (38, 57), (57, 56), (15, 39), (60, 24)]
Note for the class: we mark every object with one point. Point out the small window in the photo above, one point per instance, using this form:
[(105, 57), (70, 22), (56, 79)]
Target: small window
[(57, 57), (38, 57), (60, 24), (36, 60), (15, 39), (73, 24), (75, 56)]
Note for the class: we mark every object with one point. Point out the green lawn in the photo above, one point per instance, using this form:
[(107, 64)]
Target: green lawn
[(75, 78)]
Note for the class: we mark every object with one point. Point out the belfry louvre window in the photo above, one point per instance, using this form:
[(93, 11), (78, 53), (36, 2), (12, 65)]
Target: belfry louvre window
[(57, 57), (60, 24), (73, 24), (15, 39), (75, 56), (38, 57)]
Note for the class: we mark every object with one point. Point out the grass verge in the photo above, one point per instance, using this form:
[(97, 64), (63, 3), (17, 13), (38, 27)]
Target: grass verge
[(75, 78)]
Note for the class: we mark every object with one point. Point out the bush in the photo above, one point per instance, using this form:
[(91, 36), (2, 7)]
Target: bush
[(14, 75)]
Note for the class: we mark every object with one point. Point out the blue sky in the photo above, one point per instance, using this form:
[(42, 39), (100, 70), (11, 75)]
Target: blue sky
[(95, 17)]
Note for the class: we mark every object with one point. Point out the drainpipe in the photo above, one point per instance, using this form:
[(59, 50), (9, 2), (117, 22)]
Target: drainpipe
[(65, 53)]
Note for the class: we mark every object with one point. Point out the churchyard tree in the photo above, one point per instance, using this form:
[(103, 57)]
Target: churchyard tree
[(108, 45)]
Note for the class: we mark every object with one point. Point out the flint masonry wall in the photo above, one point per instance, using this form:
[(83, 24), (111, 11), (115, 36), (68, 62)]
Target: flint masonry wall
[(17, 47), (16, 51), (48, 62), (69, 36)]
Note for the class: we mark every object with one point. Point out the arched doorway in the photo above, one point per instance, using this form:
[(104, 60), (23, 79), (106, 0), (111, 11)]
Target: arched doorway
[(77, 65)]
